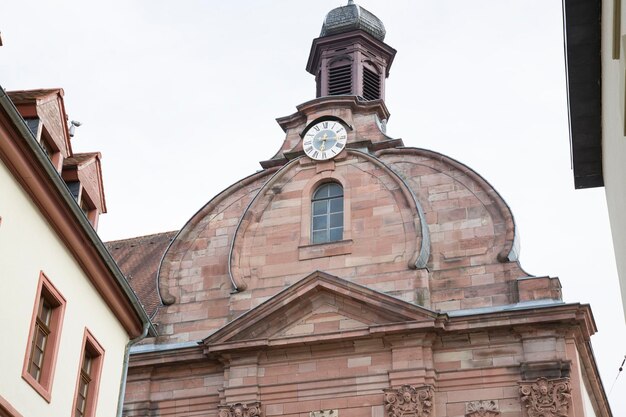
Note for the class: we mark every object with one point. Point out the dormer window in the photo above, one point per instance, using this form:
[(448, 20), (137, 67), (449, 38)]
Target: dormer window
[(89, 208), (50, 149), (84, 207), (47, 149)]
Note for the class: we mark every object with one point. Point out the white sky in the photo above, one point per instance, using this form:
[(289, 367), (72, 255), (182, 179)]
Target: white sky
[(180, 98)]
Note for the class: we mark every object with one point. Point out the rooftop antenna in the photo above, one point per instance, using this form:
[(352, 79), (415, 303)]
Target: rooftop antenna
[(73, 125)]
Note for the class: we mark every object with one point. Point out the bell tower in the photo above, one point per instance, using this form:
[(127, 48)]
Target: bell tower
[(349, 57)]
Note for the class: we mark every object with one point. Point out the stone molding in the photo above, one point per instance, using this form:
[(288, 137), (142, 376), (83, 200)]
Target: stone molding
[(240, 410), (546, 397), (545, 369), (409, 401), (486, 408)]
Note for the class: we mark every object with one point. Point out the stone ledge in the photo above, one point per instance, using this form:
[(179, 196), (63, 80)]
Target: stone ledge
[(321, 250)]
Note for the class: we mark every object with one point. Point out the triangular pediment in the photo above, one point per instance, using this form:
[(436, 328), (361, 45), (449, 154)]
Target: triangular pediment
[(320, 307)]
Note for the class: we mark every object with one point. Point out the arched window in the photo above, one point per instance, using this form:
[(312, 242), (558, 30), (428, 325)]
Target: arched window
[(327, 213)]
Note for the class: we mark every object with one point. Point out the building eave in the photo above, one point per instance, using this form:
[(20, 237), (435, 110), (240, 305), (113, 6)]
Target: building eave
[(581, 22), (31, 167)]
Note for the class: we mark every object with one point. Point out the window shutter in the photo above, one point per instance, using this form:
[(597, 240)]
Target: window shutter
[(340, 80), (371, 84)]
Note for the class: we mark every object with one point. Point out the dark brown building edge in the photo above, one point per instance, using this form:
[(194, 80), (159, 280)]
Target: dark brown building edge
[(583, 66)]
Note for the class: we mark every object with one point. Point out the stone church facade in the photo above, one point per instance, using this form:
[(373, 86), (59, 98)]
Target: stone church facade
[(354, 276)]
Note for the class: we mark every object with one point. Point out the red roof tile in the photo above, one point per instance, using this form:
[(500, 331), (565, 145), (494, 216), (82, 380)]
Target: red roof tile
[(28, 95), (80, 158), (139, 260)]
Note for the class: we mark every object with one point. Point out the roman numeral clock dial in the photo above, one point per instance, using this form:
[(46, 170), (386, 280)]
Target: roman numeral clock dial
[(325, 140)]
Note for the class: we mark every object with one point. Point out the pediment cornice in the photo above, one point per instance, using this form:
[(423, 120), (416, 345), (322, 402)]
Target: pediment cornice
[(269, 323)]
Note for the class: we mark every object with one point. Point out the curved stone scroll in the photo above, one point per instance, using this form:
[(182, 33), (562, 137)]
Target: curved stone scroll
[(184, 240), (408, 401), (546, 397), (420, 259), (492, 200)]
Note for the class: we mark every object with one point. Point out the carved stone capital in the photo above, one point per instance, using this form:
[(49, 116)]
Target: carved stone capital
[(546, 397), (240, 410), (482, 409), (408, 401)]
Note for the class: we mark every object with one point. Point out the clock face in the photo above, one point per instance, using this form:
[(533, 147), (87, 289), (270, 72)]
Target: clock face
[(325, 140)]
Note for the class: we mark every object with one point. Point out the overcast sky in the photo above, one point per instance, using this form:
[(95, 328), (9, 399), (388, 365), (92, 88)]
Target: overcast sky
[(181, 96)]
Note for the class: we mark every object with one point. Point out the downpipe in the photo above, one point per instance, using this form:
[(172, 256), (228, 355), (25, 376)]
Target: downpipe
[(120, 400)]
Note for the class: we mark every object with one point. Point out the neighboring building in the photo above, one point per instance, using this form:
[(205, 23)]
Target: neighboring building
[(596, 62), (68, 315), (354, 276)]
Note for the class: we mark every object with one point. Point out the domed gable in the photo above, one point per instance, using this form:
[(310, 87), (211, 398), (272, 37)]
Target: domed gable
[(352, 17)]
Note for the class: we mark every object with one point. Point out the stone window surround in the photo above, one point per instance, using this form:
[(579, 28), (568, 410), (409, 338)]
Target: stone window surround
[(327, 201), (325, 173), (46, 290), (7, 409), (91, 345)]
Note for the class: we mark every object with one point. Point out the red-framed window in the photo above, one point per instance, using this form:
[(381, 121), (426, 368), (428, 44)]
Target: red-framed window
[(88, 381), (44, 337)]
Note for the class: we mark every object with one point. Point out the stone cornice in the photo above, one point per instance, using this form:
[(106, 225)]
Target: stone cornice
[(176, 355), (573, 314), (366, 38), (333, 102)]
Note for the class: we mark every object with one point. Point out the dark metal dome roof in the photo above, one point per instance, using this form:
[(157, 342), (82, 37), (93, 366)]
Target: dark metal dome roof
[(352, 17)]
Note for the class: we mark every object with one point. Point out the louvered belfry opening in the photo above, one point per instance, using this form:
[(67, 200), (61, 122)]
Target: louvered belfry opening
[(340, 80), (350, 56), (371, 84)]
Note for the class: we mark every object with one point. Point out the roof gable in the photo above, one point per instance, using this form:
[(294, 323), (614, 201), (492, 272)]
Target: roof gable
[(320, 307), (87, 169), (48, 106)]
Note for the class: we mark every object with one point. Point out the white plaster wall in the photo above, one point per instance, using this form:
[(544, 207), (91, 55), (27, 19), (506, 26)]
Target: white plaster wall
[(587, 405), (613, 139), (29, 245)]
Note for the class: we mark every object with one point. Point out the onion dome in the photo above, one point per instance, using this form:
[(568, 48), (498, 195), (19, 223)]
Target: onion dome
[(352, 17)]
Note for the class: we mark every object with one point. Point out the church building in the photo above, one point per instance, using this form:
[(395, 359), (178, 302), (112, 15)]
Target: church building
[(353, 276)]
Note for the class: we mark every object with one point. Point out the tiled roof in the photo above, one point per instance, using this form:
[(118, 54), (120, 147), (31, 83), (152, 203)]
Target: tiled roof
[(139, 259), (27, 95), (79, 158)]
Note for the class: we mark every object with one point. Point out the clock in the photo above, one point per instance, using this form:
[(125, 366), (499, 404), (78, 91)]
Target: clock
[(325, 140)]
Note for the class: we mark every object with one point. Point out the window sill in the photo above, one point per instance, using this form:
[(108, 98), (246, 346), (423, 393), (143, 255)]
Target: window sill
[(44, 391), (322, 250)]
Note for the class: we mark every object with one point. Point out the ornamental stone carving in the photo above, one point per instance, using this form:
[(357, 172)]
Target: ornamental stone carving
[(408, 401), (240, 410), (324, 413), (546, 397), (482, 409)]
